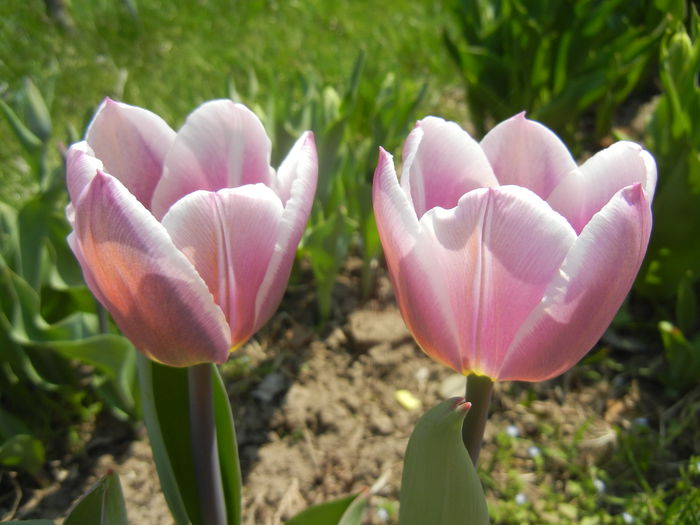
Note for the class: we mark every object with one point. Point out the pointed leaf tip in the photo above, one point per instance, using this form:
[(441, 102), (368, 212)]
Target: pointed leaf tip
[(439, 484)]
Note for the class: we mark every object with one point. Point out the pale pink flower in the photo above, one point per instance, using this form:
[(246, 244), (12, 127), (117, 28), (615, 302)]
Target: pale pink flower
[(509, 260), (187, 238)]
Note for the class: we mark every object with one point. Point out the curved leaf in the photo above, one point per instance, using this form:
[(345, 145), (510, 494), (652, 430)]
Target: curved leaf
[(439, 484), (102, 505)]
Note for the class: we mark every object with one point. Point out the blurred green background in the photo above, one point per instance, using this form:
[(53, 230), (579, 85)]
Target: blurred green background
[(358, 73)]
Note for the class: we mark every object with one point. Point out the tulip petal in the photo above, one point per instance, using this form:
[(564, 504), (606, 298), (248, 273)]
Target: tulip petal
[(296, 186), (441, 162), (503, 245), (301, 156), (81, 168), (229, 236), (221, 145), (526, 153), (417, 289), (132, 143), (586, 190), (152, 291), (582, 299)]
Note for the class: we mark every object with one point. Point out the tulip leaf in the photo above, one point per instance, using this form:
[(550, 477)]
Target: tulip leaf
[(32, 144), (228, 449), (439, 484), (102, 505), (165, 413), (33, 220), (35, 111), (354, 512), (343, 511)]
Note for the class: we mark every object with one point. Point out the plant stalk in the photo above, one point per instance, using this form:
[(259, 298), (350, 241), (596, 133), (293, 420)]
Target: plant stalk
[(204, 447), (479, 389)]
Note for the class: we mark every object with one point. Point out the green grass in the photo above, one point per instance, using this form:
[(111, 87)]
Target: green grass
[(169, 57)]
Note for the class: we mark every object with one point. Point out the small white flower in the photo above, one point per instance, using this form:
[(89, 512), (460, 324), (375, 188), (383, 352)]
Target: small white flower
[(382, 514), (627, 518), (599, 485), (512, 431), (533, 451), (520, 498)]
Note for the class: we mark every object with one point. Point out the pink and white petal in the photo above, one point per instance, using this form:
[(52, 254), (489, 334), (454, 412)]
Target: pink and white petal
[(300, 161), (221, 145), (152, 291), (92, 284), (494, 256), (299, 173), (586, 293), (81, 168), (419, 287), (584, 191), (441, 162), (229, 236), (393, 210), (132, 143), (526, 153)]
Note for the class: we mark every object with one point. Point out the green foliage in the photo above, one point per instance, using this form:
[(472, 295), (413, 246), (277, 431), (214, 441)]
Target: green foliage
[(556, 60), (102, 505), (674, 139), (682, 357), (22, 451)]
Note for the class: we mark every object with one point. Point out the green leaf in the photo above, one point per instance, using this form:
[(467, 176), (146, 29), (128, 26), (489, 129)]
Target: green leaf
[(343, 511), (326, 246), (228, 449), (353, 514), (33, 221), (439, 484), (102, 505), (23, 452), (165, 413), (31, 143), (683, 358), (36, 113)]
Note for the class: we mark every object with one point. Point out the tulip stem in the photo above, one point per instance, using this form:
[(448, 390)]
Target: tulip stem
[(204, 447), (479, 390)]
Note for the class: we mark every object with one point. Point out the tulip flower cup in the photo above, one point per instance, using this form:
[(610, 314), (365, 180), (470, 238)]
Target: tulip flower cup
[(509, 260)]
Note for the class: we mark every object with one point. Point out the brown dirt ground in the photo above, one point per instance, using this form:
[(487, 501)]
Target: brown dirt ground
[(318, 418)]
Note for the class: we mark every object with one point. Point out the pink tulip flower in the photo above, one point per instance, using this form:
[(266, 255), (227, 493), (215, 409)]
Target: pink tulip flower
[(187, 238), (508, 260)]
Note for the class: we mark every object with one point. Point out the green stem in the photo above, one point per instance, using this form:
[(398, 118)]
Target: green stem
[(204, 448), (479, 390)]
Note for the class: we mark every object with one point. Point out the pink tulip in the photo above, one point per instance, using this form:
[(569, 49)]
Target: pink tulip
[(509, 260), (187, 238)]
